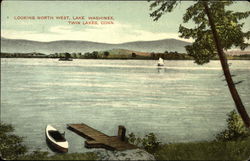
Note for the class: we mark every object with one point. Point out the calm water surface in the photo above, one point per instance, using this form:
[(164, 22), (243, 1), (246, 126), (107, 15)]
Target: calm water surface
[(180, 102)]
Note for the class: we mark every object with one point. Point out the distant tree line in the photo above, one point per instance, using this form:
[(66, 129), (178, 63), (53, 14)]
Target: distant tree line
[(167, 55), (170, 55), (23, 55), (62, 55), (87, 55)]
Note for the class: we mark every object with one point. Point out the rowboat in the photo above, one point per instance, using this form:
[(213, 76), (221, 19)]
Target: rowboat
[(65, 59), (56, 140)]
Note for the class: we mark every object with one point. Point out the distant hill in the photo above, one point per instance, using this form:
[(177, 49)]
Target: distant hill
[(157, 46), (27, 46)]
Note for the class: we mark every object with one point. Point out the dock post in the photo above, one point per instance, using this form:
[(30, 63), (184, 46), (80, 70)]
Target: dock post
[(121, 132)]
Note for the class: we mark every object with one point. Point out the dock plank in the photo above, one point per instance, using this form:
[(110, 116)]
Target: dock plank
[(97, 139)]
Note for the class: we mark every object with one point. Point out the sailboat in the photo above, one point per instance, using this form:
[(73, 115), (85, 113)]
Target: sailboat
[(160, 62)]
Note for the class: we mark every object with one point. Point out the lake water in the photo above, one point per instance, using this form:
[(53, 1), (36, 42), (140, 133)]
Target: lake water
[(180, 102)]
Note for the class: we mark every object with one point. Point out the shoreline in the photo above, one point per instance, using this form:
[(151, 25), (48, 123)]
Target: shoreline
[(231, 58)]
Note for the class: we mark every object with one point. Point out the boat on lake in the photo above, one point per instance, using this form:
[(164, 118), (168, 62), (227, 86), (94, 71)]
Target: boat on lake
[(160, 62), (56, 140), (65, 59)]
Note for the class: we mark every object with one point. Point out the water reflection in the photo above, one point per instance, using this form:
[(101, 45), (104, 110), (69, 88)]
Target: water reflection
[(161, 69)]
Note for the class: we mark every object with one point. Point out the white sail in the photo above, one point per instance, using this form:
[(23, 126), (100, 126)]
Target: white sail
[(160, 62)]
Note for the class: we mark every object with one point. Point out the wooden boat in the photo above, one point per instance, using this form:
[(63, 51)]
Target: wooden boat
[(65, 59), (56, 140)]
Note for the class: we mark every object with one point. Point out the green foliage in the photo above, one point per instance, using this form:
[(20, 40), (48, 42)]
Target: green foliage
[(67, 55), (106, 54), (39, 155), (5, 128), (163, 6), (215, 150), (61, 55), (170, 55), (93, 55), (133, 55), (134, 140), (150, 143), (35, 155), (227, 23), (236, 129), (11, 146)]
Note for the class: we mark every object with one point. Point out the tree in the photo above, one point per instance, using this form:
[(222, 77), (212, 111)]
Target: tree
[(106, 54), (61, 55), (216, 29), (94, 54), (152, 55), (87, 55), (67, 55), (11, 146), (133, 55), (235, 129)]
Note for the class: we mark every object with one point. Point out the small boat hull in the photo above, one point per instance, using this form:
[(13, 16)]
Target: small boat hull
[(56, 146), (65, 59)]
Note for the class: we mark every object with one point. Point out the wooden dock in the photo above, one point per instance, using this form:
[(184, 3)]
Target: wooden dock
[(97, 139)]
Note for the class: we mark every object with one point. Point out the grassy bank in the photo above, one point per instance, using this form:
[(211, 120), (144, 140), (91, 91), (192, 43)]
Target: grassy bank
[(222, 148), (38, 155), (233, 143), (214, 150)]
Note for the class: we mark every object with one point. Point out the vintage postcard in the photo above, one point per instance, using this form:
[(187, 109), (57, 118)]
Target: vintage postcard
[(125, 80)]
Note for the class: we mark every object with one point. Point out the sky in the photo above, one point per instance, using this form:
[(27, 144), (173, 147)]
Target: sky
[(131, 21)]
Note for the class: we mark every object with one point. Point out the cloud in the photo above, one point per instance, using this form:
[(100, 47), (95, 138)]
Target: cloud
[(61, 29), (115, 33)]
